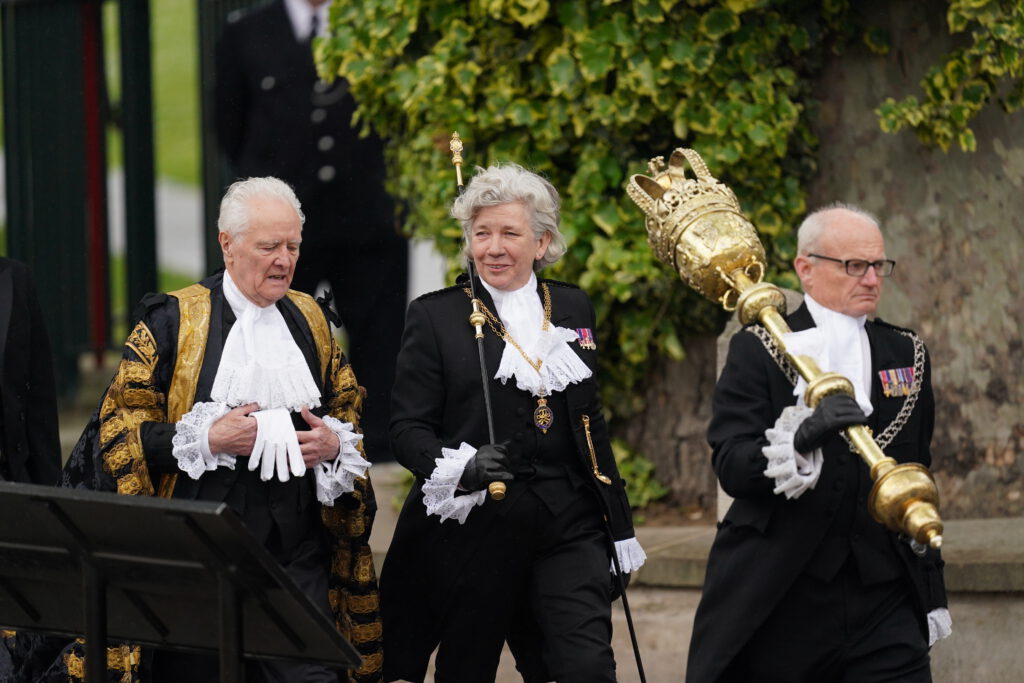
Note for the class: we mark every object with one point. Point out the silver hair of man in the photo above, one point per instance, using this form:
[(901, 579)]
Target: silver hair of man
[(505, 184), (808, 235), (234, 208)]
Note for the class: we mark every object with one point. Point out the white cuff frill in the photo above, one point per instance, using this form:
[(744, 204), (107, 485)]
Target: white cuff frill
[(631, 555), (334, 478), (792, 472), (439, 490), (940, 625), (191, 445)]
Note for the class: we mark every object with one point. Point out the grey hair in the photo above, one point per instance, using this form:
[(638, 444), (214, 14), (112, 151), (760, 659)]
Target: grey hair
[(234, 208), (808, 235), (507, 183)]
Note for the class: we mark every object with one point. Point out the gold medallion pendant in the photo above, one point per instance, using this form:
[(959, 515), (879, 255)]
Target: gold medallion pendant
[(543, 417)]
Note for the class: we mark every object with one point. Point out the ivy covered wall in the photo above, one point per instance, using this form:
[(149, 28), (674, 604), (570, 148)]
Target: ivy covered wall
[(954, 222), (585, 91)]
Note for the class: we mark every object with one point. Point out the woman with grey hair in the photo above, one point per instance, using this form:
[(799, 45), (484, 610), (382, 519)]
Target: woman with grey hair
[(466, 573)]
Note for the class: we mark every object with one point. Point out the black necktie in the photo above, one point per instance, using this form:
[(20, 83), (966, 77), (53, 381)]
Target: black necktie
[(314, 27)]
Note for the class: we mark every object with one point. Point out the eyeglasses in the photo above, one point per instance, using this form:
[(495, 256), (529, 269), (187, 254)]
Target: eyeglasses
[(857, 267)]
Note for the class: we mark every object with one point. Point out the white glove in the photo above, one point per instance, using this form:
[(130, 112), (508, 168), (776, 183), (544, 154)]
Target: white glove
[(630, 554), (940, 625), (792, 472), (276, 446)]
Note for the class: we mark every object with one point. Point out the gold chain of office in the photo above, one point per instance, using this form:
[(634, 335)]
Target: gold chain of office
[(889, 433), (499, 329)]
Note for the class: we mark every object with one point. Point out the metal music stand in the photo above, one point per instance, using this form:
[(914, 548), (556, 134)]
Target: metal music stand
[(173, 574)]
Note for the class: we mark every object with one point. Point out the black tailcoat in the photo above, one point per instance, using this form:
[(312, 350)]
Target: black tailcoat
[(30, 437), (437, 401), (275, 118), (765, 540)]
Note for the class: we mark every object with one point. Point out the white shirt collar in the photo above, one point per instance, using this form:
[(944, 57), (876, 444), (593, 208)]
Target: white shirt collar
[(838, 343), (300, 12), (824, 316), (523, 295)]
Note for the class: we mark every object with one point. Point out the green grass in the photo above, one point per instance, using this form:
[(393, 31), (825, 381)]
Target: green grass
[(176, 89), (175, 54)]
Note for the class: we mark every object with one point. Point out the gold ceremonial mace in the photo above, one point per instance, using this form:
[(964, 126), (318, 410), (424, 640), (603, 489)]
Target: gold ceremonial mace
[(696, 226), (477, 319)]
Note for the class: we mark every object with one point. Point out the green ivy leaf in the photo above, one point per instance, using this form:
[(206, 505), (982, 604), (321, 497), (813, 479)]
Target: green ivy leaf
[(718, 22), (595, 57)]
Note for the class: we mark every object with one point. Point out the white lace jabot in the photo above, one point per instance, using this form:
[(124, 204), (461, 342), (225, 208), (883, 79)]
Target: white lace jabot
[(261, 363), (522, 314), (838, 343)]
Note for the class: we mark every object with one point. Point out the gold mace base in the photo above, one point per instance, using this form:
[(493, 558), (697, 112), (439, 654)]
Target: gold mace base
[(904, 497), (497, 490)]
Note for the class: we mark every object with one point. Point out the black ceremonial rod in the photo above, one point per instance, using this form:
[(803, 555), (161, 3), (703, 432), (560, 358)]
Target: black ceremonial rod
[(477, 319)]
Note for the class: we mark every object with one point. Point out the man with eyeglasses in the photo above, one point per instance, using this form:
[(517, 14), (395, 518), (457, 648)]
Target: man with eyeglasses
[(802, 585)]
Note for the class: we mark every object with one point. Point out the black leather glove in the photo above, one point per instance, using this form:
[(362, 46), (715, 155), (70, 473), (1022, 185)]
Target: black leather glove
[(832, 414), (616, 591), (489, 464)]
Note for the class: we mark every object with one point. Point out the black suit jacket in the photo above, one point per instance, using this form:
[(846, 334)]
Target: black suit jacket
[(765, 540), (437, 402), (274, 118), (31, 440)]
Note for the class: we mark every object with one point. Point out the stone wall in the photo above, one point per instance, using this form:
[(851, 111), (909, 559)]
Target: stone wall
[(953, 222)]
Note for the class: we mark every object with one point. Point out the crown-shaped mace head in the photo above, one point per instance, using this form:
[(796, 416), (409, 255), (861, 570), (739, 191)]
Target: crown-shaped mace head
[(695, 225)]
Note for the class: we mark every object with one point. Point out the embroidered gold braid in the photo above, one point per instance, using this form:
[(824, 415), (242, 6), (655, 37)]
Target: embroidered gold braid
[(131, 399), (893, 428), (499, 329), (193, 333), (124, 658), (322, 337)]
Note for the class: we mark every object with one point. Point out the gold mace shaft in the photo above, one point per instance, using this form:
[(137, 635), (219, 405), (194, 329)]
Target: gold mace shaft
[(697, 227), (496, 489), (903, 497)]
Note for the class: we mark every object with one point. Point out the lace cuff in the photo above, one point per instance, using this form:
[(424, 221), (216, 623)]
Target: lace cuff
[(631, 555), (190, 444), (793, 472), (336, 477), (940, 625), (439, 490)]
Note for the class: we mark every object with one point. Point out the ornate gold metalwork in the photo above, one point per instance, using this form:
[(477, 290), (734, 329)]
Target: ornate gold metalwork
[(456, 149), (593, 456), (314, 316), (499, 328), (695, 225)]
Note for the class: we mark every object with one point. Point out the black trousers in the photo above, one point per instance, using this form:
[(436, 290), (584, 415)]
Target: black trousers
[(370, 285), (837, 632), (307, 566), (538, 581)]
